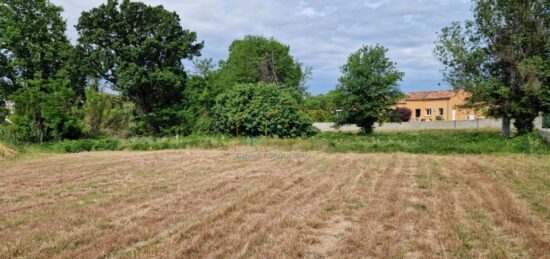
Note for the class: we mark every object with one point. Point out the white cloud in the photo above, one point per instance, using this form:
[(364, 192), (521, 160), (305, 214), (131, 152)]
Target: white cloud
[(321, 33), (310, 12)]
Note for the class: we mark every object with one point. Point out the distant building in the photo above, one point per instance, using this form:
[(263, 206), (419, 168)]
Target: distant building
[(438, 105)]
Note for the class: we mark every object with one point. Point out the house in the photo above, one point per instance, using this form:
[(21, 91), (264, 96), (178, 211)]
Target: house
[(438, 105)]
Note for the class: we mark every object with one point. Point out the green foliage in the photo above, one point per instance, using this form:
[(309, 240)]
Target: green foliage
[(546, 121), (33, 44), (322, 107), (258, 59), (4, 112), (200, 97), (106, 114), (45, 111), (33, 55), (146, 66), (501, 57), (260, 109), (417, 142), (368, 87)]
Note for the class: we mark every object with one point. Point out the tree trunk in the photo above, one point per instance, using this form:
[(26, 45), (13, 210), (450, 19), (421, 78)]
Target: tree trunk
[(506, 127)]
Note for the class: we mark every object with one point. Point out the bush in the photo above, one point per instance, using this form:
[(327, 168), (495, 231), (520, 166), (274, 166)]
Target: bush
[(106, 114), (260, 109), (318, 115), (400, 114), (45, 111)]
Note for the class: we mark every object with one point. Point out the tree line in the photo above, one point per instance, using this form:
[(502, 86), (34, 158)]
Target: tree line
[(138, 52)]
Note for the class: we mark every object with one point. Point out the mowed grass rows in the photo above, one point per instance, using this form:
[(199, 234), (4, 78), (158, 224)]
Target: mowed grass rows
[(245, 202)]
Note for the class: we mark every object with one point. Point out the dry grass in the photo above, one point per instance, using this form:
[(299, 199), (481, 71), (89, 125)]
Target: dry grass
[(197, 203), (6, 152)]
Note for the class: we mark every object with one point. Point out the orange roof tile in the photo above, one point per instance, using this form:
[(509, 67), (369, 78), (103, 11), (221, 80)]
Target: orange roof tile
[(430, 95)]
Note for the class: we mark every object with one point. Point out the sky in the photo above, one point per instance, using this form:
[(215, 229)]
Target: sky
[(321, 34)]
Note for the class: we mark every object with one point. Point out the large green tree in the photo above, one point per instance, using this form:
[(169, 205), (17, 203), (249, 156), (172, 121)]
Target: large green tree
[(368, 87), (502, 58), (139, 50), (34, 71), (258, 59), (33, 44)]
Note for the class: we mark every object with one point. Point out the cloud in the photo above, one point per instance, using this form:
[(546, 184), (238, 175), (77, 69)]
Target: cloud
[(321, 33)]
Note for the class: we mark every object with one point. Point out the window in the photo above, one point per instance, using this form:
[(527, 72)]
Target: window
[(428, 112), (440, 111)]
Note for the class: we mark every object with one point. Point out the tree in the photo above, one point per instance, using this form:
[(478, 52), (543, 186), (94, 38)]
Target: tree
[(33, 44), (322, 107), (260, 109), (501, 57), (369, 87), (139, 50), (258, 59), (34, 53)]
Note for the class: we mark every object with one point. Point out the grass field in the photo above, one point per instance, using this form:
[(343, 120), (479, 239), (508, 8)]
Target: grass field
[(264, 203)]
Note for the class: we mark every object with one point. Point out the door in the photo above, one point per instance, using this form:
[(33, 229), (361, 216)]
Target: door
[(417, 113)]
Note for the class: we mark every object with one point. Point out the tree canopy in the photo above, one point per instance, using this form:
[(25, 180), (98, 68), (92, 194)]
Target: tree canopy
[(33, 45), (139, 50), (35, 73), (258, 59), (502, 58), (368, 87)]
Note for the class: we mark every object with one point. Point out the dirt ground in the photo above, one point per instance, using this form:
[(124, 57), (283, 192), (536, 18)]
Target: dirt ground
[(267, 204)]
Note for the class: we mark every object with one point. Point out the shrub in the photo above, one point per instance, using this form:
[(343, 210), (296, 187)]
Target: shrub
[(318, 115), (106, 114), (404, 114), (45, 111), (260, 109)]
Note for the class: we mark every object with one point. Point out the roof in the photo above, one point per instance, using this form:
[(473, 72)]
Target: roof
[(429, 95)]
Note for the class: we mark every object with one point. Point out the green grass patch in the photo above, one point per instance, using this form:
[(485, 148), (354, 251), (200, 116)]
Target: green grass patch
[(418, 142)]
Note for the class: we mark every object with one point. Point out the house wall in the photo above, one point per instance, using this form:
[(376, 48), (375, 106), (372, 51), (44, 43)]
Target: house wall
[(447, 105)]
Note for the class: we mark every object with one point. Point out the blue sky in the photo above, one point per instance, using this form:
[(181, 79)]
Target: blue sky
[(322, 33)]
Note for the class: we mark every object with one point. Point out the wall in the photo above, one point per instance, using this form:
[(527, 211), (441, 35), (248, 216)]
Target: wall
[(545, 133), (475, 124)]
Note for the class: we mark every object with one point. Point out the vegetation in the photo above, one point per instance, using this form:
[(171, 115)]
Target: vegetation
[(419, 142), (502, 58), (546, 121), (258, 59), (260, 109), (145, 66), (400, 114), (36, 72), (323, 107), (137, 52), (368, 87)]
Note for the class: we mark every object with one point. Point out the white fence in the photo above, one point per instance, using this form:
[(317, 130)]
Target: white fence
[(421, 125), (545, 133)]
